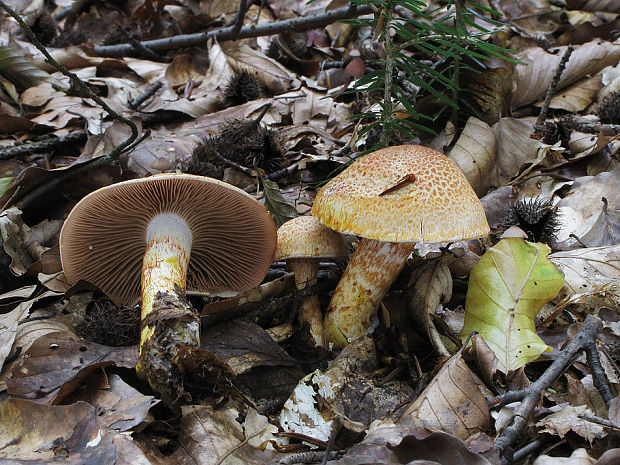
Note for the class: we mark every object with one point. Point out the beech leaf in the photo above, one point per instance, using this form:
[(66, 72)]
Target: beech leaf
[(280, 209), (507, 289)]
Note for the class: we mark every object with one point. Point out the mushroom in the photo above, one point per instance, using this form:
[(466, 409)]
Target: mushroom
[(153, 235), (392, 198), (302, 242)]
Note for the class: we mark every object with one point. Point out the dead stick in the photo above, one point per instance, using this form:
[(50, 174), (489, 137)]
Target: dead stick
[(523, 412), (42, 145), (542, 116), (226, 33)]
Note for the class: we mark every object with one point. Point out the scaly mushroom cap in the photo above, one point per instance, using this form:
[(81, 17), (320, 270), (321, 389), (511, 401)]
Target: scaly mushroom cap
[(306, 237), (103, 239), (405, 193)]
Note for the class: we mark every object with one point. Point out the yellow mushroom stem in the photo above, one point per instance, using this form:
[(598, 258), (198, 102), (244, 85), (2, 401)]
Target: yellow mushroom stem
[(306, 270), (168, 248), (369, 275)]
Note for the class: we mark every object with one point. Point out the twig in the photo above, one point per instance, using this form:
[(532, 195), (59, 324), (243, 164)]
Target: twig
[(585, 335), (232, 164), (107, 159), (144, 51), (238, 21), (308, 457), (542, 116), (586, 125), (528, 449), (599, 377), (332, 438), (599, 421), (43, 145), (226, 33)]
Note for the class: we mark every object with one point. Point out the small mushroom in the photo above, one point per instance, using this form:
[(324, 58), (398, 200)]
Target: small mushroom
[(302, 242), (393, 198), (155, 235)]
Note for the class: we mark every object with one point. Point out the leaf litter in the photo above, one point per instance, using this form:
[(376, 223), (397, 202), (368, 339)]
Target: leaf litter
[(403, 395)]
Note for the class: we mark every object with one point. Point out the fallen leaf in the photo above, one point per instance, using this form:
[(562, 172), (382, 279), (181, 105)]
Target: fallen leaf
[(578, 457), (210, 437), (56, 363), (533, 79), (387, 443), (566, 419), (453, 402), (280, 209), (507, 289), (430, 285), (474, 152), (589, 272)]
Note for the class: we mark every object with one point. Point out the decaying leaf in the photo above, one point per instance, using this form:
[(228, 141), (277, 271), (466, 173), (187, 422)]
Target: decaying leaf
[(534, 78), (56, 363), (474, 152), (566, 419), (430, 285), (507, 289), (209, 437), (516, 150), (280, 209), (578, 457), (387, 443), (44, 434), (453, 402), (590, 272), (9, 321), (583, 213)]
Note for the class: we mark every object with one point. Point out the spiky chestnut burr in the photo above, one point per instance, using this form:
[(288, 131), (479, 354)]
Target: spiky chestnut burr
[(537, 217), (241, 88), (609, 109)]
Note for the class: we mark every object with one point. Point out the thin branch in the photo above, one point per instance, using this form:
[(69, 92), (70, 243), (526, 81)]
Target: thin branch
[(243, 8), (585, 335), (226, 33), (43, 145), (134, 104), (542, 116)]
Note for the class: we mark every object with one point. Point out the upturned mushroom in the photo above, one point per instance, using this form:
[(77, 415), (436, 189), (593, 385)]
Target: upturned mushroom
[(392, 198), (302, 242), (154, 235)]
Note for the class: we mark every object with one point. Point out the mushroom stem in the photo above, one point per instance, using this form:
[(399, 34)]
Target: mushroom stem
[(164, 268), (306, 270), (369, 275)]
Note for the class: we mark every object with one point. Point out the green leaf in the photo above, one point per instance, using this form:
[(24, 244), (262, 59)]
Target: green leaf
[(5, 183), (280, 209), (507, 289)]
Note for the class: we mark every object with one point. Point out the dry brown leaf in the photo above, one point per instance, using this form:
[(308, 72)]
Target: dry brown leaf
[(578, 96), (582, 144), (271, 74), (119, 406), (9, 321), (474, 152), (387, 443), (57, 363), (610, 6), (42, 434), (210, 437), (244, 346), (578, 457), (430, 285), (533, 79), (588, 272), (583, 392), (566, 419), (581, 209), (186, 67), (453, 402), (516, 150)]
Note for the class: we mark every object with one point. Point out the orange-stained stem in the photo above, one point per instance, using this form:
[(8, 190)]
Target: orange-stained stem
[(168, 247), (306, 270), (369, 275)]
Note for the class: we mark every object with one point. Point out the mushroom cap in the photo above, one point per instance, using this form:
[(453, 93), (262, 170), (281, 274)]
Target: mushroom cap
[(103, 239), (306, 237), (405, 193)]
